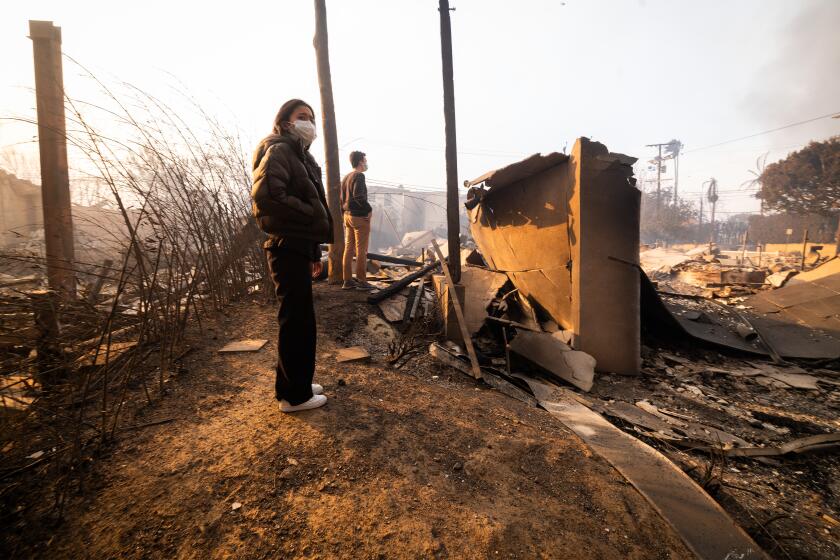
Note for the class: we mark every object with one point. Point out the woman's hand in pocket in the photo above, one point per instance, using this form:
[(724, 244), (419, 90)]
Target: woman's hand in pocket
[(317, 269)]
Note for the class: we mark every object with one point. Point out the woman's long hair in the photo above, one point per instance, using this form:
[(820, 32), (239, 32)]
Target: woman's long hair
[(285, 113)]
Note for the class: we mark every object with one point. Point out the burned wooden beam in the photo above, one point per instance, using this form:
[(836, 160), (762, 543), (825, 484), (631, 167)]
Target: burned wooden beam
[(459, 312), (50, 362), (52, 143), (394, 288), (394, 260)]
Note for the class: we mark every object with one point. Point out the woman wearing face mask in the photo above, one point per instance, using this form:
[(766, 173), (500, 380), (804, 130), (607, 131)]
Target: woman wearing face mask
[(290, 205)]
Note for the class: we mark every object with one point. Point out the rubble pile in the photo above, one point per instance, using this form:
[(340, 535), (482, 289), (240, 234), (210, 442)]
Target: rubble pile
[(760, 438), (736, 382)]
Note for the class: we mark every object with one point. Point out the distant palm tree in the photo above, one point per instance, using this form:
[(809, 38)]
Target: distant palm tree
[(760, 164)]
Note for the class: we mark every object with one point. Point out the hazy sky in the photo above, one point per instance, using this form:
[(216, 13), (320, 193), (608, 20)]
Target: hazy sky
[(529, 75)]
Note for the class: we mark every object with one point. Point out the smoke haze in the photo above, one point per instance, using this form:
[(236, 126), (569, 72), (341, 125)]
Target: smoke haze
[(803, 79)]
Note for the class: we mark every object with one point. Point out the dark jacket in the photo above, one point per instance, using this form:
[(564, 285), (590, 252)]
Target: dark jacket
[(354, 197), (288, 199)]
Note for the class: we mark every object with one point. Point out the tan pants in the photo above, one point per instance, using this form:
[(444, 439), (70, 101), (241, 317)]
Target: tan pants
[(356, 236)]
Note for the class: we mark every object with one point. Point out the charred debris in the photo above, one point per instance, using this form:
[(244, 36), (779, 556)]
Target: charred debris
[(713, 358), (724, 361)]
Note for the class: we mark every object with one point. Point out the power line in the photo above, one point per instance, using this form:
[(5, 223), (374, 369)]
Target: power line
[(832, 114), (413, 198), (426, 148)]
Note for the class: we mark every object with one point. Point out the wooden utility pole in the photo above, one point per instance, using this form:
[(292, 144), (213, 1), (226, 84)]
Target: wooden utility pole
[(322, 53), (453, 212), (677, 180), (700, 221), (804, 248), (658, 174), (659, 180), (52, 143)]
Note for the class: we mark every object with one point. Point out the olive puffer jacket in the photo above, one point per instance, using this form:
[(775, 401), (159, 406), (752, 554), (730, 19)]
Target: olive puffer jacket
[(288, 198)]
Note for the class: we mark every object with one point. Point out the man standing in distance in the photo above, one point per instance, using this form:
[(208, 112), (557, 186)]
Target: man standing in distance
[(357, 213)]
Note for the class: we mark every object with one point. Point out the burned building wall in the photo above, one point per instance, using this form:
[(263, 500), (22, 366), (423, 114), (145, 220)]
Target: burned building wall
[(605, 209), (565, 229), (523, 230)]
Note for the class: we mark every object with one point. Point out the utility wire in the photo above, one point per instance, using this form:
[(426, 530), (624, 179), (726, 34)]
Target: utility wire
[(762, 133)]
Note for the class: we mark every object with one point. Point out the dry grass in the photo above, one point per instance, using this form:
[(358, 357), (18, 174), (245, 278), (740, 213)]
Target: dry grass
[(182, 245)]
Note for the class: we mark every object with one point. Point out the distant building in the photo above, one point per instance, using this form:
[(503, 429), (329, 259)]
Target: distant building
[(99, 232), (397, 211), (20, 209)]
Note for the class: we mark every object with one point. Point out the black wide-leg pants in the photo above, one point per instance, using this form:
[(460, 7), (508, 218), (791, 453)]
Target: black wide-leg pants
[(291, 272)]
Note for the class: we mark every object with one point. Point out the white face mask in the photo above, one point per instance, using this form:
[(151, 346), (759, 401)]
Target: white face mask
[(305, 130), (365, 166)]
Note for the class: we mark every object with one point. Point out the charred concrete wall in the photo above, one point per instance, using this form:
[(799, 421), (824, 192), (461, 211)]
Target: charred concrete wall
[(605, 220), (552, 224)]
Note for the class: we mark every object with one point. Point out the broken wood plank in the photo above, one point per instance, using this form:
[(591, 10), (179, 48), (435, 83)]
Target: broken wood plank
[(802, 445), (415, 305), (551, 354), (352, 354), (393, 308), (459, 313), (412, 294), (247, 345), (701, 522), (691, 433)]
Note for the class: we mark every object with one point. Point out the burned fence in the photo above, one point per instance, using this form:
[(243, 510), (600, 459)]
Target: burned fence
[(76, 371)]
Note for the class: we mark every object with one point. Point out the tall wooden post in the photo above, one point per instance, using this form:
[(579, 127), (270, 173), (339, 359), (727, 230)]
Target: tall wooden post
[(453, 212), (52, 142), (804, 248), (322, 53)]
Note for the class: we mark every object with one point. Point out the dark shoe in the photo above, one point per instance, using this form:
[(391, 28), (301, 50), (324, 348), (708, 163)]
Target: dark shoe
[(351, 284), (364, 286)]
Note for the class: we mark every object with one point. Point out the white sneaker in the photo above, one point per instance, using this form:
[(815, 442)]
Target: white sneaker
[(317, 389), (315, 402)]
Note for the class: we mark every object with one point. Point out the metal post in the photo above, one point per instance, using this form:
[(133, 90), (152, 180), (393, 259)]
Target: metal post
[(322, 54), (453, 222), (52, 143)]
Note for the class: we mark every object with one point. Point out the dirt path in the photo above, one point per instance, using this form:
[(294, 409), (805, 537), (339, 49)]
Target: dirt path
[(397, 465)]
